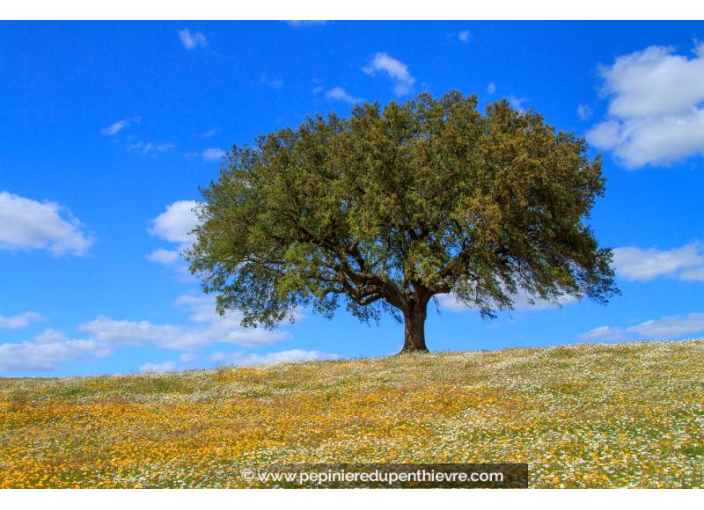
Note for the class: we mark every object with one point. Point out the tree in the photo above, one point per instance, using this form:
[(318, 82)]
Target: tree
[(386, 209)]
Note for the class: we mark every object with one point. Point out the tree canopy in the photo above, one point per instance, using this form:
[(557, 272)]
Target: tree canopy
[(386, 209)]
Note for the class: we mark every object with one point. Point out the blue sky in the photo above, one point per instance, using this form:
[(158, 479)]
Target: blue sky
[(108, 129)]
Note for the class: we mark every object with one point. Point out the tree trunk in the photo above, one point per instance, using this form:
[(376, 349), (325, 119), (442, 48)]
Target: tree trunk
[(415, 329)]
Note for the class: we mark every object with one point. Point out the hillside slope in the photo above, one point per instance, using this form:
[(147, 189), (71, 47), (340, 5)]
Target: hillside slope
[(584, 415)]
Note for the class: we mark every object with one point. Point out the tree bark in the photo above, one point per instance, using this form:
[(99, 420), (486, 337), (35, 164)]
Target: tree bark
[(414, 340)]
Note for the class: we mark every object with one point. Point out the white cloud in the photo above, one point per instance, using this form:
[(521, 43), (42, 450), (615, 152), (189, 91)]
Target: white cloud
[(188, 357), (103, 334), (517, 103), (176, 223), (686, 263), (167, 366), (209, 133), (306, 23), (604, 334), (584, 111), (19, 321), (394, 69), (118, 126), (175, 226), (45, 351), (655, 113), (274, 83), (213, 154), (150, 148), (464, 36), (207, 328), (661, 329), (291, 356), (27, 224), (339, 94), (192, 40), (693, 275), (50, 336), (190, 360), (521, 302), (674, 326), (165, 257), (491, 88)]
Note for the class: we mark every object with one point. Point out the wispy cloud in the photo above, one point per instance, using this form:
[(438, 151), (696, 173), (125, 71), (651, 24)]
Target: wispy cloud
[(339, 94), (584, 111), (491, 88), (290, 356), (168, 366), (518, 103), (192, 40), (213, 154), (20, 321), (396, 70), (306, 23), (521, 302), (662, 329), (272, 83), (118, 126), (464, 36), (150, 148)]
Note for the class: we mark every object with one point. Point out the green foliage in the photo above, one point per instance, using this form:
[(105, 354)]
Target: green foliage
[(384, 210)]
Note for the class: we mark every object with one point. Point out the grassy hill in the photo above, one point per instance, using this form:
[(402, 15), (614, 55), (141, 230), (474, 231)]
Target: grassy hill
[(581, 416)]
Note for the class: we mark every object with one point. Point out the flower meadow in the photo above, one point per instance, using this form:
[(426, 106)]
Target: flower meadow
[(592, 415)]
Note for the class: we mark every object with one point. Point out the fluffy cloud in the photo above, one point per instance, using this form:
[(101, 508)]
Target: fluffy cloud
[(176, 223), (339, 94), (686, 263), (655, 113), (661, 329), (207, 328), (293, 355), (45, 351), (192, 40), (396, 70), (27, 224), (19, 321), (521, 302), (189, 360), (175, 226), (103, 335)]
